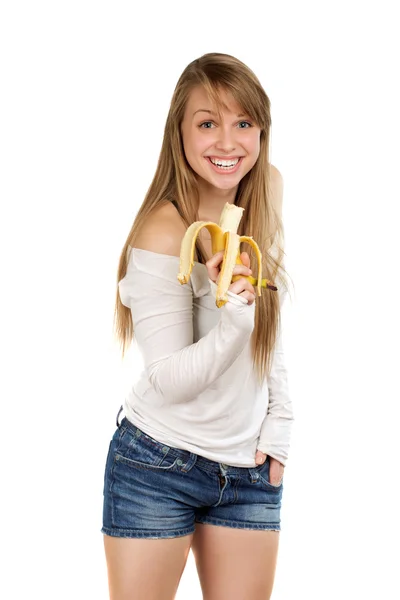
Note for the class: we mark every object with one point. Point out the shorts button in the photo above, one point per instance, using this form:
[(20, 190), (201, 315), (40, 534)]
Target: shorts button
[(179, 462), (165, 449)]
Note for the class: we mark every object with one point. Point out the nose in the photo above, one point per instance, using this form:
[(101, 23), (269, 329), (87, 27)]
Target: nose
[(225, 141)]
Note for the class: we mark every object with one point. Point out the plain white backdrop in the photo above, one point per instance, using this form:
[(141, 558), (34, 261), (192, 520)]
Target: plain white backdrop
[(86, 88)]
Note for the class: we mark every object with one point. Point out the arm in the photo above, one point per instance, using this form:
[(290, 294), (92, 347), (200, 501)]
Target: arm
[(162, 313), (275, 431)]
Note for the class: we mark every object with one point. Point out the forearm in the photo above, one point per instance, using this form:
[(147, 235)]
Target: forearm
[(185, 374)]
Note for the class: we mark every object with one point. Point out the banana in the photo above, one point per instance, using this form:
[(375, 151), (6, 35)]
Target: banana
[(224, 237)]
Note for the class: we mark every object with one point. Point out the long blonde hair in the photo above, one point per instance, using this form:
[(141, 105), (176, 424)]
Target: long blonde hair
[(174, 180)]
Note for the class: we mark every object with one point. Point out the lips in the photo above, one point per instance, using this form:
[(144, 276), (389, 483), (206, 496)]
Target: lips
[(225, 170)]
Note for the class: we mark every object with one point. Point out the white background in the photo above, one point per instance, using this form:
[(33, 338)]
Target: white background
[(86, 88)]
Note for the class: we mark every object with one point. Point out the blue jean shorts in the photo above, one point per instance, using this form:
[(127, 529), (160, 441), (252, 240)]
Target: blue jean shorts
[(152, 490)]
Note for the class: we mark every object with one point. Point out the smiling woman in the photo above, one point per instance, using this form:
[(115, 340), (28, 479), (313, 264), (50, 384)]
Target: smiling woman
[(181, 467)]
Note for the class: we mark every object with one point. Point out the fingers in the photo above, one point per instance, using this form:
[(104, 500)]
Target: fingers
[(241, 270), (261, 457), (213, 265), (245, 258), (243, 288), (241, 285)]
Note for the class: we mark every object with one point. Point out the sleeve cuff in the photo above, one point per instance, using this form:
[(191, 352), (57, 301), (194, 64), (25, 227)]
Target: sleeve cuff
[(234, 298)]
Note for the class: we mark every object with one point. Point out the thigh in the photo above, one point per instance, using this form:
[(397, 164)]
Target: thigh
[(145, 569), (235, 564), (147, 526), (236, 539)]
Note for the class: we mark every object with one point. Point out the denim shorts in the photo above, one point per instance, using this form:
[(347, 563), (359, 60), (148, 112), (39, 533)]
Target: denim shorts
[(152, 490)]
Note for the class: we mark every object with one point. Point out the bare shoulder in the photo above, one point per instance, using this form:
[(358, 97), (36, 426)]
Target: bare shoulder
[(277, 189), (162, 232)]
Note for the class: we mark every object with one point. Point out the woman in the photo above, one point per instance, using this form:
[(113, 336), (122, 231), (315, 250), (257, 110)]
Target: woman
[(197, 461)]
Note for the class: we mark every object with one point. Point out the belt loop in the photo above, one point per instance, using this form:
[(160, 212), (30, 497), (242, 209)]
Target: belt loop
[(119, 412), (253, 474)]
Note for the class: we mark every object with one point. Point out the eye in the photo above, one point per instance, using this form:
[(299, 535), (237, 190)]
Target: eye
[(205, 123), (247, 123)]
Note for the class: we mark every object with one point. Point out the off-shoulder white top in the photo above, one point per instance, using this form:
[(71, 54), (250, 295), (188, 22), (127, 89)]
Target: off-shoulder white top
[(198, 390)]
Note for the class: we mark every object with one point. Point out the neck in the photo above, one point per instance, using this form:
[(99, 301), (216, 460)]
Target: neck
[(212, 201)]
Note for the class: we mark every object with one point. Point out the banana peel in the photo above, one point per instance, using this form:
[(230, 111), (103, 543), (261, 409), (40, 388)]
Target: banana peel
[(224, 237)]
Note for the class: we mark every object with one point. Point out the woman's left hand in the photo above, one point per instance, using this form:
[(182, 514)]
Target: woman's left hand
[(276, 468)]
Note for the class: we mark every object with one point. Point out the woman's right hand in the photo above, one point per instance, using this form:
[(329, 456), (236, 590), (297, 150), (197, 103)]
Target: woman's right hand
[(242, 286)]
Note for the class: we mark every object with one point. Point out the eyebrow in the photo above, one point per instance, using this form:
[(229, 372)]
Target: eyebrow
[(213, 113)]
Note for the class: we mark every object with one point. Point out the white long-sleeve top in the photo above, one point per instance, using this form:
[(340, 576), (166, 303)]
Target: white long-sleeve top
[(198, 390)]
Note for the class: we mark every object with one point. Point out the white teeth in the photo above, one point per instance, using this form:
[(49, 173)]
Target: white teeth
[(225, 163)]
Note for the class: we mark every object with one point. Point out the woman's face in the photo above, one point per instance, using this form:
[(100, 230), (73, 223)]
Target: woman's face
[(205, 137)]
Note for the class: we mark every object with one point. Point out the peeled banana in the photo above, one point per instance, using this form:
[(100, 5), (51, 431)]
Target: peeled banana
[(224, 237)]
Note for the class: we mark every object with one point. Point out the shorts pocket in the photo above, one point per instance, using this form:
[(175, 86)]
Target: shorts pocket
[(136, 452), (263, 471)]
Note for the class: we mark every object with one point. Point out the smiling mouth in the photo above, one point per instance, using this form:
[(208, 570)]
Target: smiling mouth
[(223, 168)]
